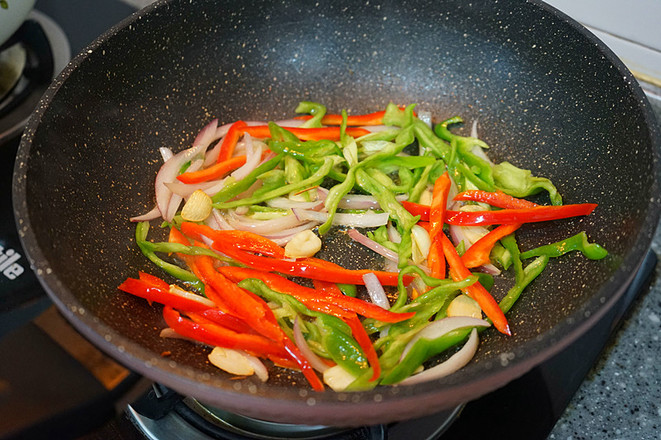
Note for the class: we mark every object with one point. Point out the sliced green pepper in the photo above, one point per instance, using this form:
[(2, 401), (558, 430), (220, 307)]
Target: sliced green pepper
[(578, 242)]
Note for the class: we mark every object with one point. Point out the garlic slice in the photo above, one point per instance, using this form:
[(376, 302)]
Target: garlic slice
[(302, 245), (464, 305), (337, 378), (198, 207)]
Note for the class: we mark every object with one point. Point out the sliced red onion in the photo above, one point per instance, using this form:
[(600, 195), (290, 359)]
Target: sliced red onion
[(373, 245), (358, 201), (454, 190), (306, 351), (170, 333), (260, 369), (211, 222), (242, 210), (467, 234), (377, 128), (322, 193), (285, 203), (438, 328), (170, 169), (166, 153), (489, 268), (185, 190), (290, 122), (419, 285), (375, 290), (366, 220), (420, 244), (243, 223), (173, 207), (288, 233), (456, 362), (425, 116), (477, 150), (211, 156), (253, 157), (221, 132), (151, 215), (220, 220), (393, 234)]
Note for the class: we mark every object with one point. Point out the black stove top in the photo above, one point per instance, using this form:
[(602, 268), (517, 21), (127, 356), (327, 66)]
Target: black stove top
[(53, 384)]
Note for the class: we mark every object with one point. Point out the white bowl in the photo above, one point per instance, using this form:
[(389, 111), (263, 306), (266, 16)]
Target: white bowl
[(12, 17)]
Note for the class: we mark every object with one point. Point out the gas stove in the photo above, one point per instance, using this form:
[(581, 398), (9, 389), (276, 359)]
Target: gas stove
[(54, 384)]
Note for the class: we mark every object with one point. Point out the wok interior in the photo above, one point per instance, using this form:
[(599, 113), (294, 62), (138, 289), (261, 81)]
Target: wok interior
[(545, 95)]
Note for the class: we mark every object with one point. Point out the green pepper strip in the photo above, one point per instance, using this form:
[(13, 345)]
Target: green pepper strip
[(483, 178), (530, 272), (348, 289), (336, 334), (421, 184), (422, 350), (430, 142), (237, 187), (335, 194), (426, 348), (334, 197), (314, 180), (147, 249), (388, 202), (318, 111), (409, 162), (578, 242)]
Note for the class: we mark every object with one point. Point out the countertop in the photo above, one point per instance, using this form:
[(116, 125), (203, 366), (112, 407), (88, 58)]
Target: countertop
[(621, 397)]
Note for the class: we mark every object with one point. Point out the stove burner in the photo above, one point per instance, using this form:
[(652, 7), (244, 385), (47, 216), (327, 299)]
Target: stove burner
[(162, 414), (27, 55)]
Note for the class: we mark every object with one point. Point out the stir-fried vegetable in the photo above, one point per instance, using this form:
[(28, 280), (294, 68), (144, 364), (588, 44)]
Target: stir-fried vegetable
[(258, 201)]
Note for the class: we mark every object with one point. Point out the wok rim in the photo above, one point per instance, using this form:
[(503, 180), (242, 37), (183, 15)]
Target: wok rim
[(302, 407)]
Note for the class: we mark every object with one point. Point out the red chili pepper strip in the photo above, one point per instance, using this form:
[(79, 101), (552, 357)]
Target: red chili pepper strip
[(476, 291), (524, 215), (230, 140), (218, 336), (498, 199), (244, 240), (226, 320), (328, 288), (306, 294), (235, 244), (435, 259), (213, 172), (176, 236), (154, 293), (304, 365), (417, 209), (438, 204), (153, 280), (478, 253), (241, 303), (363, 339), (308, 134), (312, 268)]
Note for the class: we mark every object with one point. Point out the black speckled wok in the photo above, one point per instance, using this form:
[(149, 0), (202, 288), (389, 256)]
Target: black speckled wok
[(548, 96)]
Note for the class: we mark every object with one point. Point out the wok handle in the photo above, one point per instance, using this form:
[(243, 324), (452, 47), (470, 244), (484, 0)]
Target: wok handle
[(157, 402)]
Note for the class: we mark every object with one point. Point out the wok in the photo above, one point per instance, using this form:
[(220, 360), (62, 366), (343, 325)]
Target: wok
[(548, 96)]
